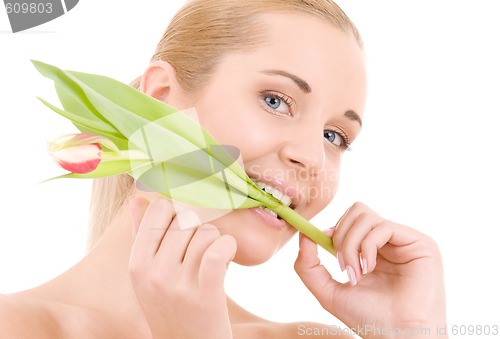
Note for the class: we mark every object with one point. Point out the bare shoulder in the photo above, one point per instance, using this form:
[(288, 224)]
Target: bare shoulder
[(246, 325), (24, 318)]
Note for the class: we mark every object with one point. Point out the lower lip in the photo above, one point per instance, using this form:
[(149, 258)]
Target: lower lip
[(268, 219)]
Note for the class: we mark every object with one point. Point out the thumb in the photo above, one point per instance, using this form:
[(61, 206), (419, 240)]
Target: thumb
[(137, 207), (314, 275)]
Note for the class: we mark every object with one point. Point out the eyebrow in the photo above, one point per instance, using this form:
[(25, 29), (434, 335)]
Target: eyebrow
[(303, 85), (351, 115), (306, 88)]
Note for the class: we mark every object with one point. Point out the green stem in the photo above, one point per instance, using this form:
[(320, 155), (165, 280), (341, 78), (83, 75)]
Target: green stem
[(293, 218), (124, 155)]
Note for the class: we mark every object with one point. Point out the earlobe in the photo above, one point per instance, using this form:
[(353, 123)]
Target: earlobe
[(157, 80)]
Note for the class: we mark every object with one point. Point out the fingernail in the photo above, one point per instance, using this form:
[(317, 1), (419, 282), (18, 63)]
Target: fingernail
[(364, 266), (351, 275), (341, 261)]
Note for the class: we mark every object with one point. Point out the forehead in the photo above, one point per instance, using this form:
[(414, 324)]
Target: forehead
[(328, 59), (310, 43)]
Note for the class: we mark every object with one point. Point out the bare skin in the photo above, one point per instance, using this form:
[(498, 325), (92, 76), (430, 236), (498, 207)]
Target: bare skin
[(95, 299), (148, 279)]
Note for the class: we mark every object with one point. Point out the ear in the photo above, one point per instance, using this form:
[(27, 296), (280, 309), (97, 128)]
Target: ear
[(158, 79)]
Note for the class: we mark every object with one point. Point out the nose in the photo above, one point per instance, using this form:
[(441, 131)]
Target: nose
[(304, 151)]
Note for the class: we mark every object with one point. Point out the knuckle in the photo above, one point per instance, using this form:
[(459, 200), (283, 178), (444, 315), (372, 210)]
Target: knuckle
[(430, 247), (366, 246), (297, 266), (300, 267), (358, 205), (349, 247), (157, 280), (365, 217), (135, 269)]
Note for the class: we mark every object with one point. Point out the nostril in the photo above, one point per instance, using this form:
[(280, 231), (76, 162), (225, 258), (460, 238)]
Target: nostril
[(298, 163)]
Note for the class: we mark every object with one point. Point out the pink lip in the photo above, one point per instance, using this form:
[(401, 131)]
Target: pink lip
[(284, 188), (268, 219)]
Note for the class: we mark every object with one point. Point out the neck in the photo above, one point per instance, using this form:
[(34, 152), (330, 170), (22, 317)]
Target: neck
[(100, 282), (105, 268)]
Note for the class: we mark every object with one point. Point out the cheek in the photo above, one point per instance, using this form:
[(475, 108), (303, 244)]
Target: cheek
[(322, 190), (236, 125)]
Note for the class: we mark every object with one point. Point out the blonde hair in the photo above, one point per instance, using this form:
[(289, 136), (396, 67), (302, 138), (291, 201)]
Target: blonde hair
[(198, 37)]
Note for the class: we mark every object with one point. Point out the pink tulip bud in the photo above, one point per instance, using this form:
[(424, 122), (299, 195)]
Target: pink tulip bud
[(78, 153)]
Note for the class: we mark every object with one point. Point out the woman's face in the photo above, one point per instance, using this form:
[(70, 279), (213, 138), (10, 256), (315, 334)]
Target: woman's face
[(291, 106)]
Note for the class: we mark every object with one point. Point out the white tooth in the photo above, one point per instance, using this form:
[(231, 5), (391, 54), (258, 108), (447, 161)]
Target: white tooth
[(286, 200), (260, 185), (268, 189), (271, 212), (277, 194)]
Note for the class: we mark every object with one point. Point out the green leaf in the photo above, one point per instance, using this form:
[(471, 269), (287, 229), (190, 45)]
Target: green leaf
[(193, 187), (196, 179), (186, 163), (90, 126), (129, 110), (63, 82)]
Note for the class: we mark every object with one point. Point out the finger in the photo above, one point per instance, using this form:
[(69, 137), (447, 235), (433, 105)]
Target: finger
[(153, 226), (176, 241), (214, 262), (314, 275), (351, 246), (346, 221), (204, 237), (372, 243), (396, 243), (137, 207)]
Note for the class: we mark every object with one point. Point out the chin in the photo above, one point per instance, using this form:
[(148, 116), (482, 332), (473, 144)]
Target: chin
[(252, 252), (257, 243)]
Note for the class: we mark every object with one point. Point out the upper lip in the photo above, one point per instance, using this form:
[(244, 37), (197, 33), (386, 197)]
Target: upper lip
[(282, 186)]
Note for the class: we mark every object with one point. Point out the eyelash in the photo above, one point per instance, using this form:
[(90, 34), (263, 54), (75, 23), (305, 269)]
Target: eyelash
[(346, 143), (276, 95), (289, 102)]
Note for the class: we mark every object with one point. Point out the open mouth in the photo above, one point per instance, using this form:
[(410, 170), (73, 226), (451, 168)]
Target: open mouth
[(278, 193)]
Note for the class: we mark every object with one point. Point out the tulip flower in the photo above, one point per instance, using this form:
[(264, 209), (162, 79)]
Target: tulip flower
[(126, 131), (82, 153), (78, 153)]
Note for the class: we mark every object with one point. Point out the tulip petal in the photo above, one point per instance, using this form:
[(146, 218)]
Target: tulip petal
[(78, 159), (105, 169)]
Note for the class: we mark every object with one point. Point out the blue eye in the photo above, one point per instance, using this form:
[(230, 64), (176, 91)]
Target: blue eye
[(277, 103), (336, 139), (274, 103)]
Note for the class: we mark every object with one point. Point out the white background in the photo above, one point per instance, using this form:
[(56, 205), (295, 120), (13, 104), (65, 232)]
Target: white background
[(427, 156)]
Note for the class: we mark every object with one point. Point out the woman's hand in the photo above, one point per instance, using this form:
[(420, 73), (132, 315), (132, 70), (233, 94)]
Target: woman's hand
[(178, 275), (395, 274)]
